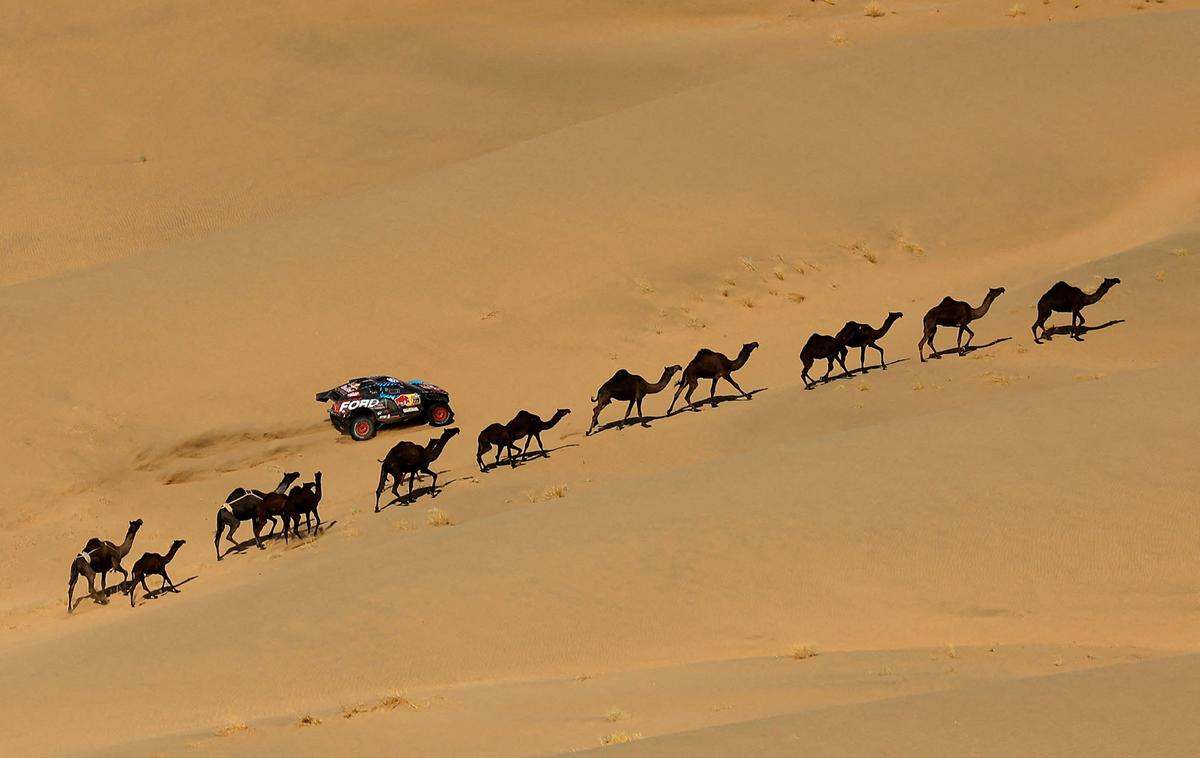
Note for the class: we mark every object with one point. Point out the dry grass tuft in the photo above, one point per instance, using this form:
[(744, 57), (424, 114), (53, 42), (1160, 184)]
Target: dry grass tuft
[(1180, 252), (308, 720), (1160, 276), (645, 286), (748, 264), (554, 492), (583, 677), (1016, 11), (951, 651), (349, 712), (490, 315), (746, 302), (620, 738), (796, 297), (394, 700), (438, 517), (803, 652), (860, 249), (233, 727), (726, 292), (779, 272), (838, 38), (694, 322), (874, 10), (615, 714)]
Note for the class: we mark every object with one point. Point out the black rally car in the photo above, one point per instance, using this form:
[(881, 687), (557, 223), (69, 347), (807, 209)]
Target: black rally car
[(360, 406)]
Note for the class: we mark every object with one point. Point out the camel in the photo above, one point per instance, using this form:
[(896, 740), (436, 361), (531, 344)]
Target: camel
[(495, 434), (862, 336), (711, 365), (628, 387), (1063, 298), (952, 312), (99, 557), (822, 346), (153, 563), (409, 458), (530, 426), (241, 505), (303, 500)]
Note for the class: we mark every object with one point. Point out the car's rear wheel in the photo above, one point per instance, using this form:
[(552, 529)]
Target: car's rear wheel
[(363, 427), (440, 415)]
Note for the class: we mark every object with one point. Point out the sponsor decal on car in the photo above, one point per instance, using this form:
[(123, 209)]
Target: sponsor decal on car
[(350, 405)]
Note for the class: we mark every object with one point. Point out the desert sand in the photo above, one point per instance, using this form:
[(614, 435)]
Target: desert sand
[(210, 212)]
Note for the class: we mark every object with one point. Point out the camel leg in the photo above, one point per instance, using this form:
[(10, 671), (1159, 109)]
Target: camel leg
[(513, 455), (433, 490), (712, 392), (257, 533), (882, 363), (687, 398), (862, 358), (104, 583), (841, 359), (379, 489), (628, 410), (71, 585), (928, 339), (166, 581), (1075, 329), (499, 452), (677, 391), (596, 415), (962, 350), (124, 573), (133, 591), (525, 448), (225, 519), (479, 451), (413, 478), (828, 371), (641, 415), (538, 436), (808, 382)]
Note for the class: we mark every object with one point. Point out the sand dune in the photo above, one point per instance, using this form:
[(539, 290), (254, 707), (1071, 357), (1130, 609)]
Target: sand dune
[(584, 189)]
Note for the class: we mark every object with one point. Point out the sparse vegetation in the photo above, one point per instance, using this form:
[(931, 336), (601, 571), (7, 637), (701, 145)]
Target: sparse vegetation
[(489, 315), (803, 652), (232, 727), (874, 10), (860, 249), (1160, 276), (553, 492), (438, 517), (951, 651), (645, 286), (615, 714), (779, 272), (796, 297), (748, 264), (838, 38), (620, 738), (394, 700), (308, 720), (1016, 11), (746, 302)]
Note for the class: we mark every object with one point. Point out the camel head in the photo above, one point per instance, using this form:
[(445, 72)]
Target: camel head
[(1110, 282), (135, 525), (447, 434), (178, 544), (749, 346), (562, 411), (672, 370), (291, 476), (995, 292), (895, 315)]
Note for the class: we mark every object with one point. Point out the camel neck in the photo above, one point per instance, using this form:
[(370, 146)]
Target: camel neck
[(171, 553), (982, 310), (1100, 292)]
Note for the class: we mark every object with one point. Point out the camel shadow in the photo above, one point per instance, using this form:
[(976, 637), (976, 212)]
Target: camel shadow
[(154, 594), (969, 350), (643, 421), (527, 457), (1066, 329), (316, 532), (717, 400), (406, 499), (853, 373)]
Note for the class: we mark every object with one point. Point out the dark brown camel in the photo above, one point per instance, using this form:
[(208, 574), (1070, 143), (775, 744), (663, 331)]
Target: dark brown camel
[(241, 505), (303, 500), (628, 387), (952, 312), (153, 563), (711, 365), (412, 459), (495, 435), (822, 346), (862, 336), (1063, 298), (99, 557), (530, 427)]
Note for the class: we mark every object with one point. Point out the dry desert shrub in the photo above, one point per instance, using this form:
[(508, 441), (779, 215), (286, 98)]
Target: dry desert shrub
[(645, 286), (779, 272), (838, 38), (860, 249), (489, 316), (232, 727), (438, 517), (394, 700), (803, 652), (748, 264), (308, 720), (615, 714), (796, 297), (620, 738), (1180, 252), (1160, 276), (746, 302), (874, 10), (951, 651), (1016, 11)]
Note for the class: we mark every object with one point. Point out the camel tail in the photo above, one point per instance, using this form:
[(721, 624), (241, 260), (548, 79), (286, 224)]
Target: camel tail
[(595, 397)]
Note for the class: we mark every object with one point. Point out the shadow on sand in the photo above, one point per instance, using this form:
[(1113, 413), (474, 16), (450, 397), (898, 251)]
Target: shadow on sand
[(717, 400), (153, 594), (970, 349), (1066, 329), (527, 457), (408, 499), (853, 373)]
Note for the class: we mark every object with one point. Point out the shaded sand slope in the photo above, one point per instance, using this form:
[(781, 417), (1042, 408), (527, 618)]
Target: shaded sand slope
[(1110, 712)]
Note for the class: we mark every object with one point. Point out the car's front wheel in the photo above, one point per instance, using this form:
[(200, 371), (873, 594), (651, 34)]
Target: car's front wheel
[(440, 415), (363, 427)]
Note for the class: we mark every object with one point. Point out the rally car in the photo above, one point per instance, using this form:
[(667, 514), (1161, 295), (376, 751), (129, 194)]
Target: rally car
[(360, 406)]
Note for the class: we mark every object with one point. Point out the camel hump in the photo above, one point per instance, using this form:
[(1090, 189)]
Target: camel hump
[(947, 300), (237, 494), (620, 375)]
